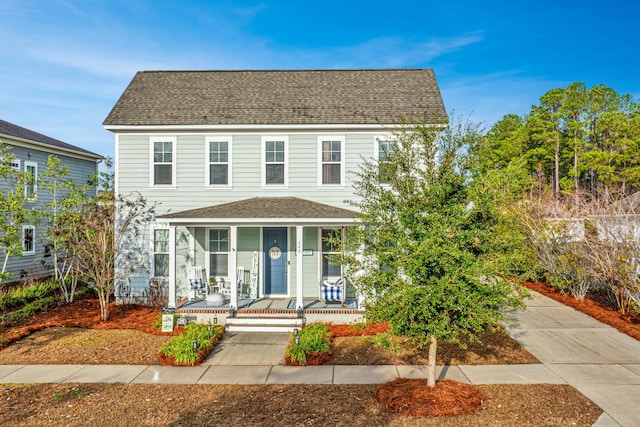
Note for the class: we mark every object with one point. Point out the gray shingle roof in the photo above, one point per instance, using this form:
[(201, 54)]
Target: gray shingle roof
[(11, 130), (294, 97), (266, 207)]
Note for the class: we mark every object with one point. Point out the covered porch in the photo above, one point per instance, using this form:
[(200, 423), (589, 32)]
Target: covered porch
[(263, 255)]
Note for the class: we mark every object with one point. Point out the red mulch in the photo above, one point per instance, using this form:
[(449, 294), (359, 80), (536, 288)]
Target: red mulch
[(358, 330), (628, 323), (413, 397), (85, 313), (314, 359)]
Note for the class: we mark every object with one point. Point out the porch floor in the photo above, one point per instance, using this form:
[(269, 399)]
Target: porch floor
[(271, 304)]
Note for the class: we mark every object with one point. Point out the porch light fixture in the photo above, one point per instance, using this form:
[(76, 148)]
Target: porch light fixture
[(296, 336), (215, 320), (195, 345), (209, 326)]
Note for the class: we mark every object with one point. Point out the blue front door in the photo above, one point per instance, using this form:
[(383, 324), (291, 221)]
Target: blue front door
[(275, 261)]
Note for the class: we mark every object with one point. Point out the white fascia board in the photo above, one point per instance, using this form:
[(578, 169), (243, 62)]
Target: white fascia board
[(258, 221), (250, 128)]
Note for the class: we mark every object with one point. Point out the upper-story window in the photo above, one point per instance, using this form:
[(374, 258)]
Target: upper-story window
[(163, 160), (275, 168), (28, 239), (384, 153), (31, 185), (332, 169), (219, 161)]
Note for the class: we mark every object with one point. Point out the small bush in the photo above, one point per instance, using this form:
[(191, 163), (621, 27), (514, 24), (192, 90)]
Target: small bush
[(313, 339), (181, 348), (24, 295), (27, 311)]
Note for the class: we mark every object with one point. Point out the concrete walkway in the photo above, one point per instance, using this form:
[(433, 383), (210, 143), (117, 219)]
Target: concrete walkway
[(574, 349)]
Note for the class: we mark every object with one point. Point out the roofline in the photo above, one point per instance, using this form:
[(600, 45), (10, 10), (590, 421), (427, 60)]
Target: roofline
[(51, 148), (262, 127), (257, 221)]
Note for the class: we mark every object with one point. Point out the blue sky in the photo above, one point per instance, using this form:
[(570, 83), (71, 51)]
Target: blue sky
[(64, 63)]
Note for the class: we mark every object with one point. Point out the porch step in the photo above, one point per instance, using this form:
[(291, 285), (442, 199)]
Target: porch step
[(263, 323)]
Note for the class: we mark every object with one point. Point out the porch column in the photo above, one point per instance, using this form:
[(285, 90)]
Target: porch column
[(299, 302), (233, 265), (172, 267)]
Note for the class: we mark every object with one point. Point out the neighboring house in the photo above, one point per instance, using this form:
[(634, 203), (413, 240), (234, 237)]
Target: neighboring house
[(252, 169), (32, 150)]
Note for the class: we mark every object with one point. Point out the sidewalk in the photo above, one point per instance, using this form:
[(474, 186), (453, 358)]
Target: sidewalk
[(575, 349)]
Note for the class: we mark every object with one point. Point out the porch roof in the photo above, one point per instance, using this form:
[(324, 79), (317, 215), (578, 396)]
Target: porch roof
[(264, 210)]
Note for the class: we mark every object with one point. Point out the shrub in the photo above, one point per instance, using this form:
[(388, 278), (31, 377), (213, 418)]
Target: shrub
[(313, 339), (24, 295), (180, 350)]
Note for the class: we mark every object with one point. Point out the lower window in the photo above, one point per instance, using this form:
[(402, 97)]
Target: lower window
[(219, 252)]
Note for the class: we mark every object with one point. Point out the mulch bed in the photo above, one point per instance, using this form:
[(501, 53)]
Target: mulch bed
[(628, 323), (413, 397), (85, 313)]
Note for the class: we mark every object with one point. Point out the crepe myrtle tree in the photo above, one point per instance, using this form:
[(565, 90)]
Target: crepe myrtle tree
[(438, 250), (108, 236)]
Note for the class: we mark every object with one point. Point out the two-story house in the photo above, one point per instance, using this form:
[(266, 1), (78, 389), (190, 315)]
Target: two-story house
[(252, 169), (31, 151)]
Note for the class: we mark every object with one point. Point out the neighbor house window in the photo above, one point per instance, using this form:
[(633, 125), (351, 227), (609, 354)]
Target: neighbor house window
[(219, 251), (331, 160), (161, 252), (219, 161), (330, 247), (31, 186), (275, 161), (28, 239), (384, 154), (163, 160)]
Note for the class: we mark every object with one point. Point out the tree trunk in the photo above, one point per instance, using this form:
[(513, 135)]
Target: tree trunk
[(556, 169), (431, 371), (104, 304)]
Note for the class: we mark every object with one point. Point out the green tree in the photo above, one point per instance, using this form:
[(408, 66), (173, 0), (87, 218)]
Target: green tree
[(505, 141), (436, 247), (573, 110), (544, 126), (13, 209)]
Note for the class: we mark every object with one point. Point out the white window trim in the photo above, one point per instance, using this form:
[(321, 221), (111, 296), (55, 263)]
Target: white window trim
[(33, 249), (207, 163), (342, 140), (153, 228), (174, 160), (26, 164), (208, 252), (263, 163)]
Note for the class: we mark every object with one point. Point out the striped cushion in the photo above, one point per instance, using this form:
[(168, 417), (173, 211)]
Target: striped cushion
[(333, 292), (195, 283)]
